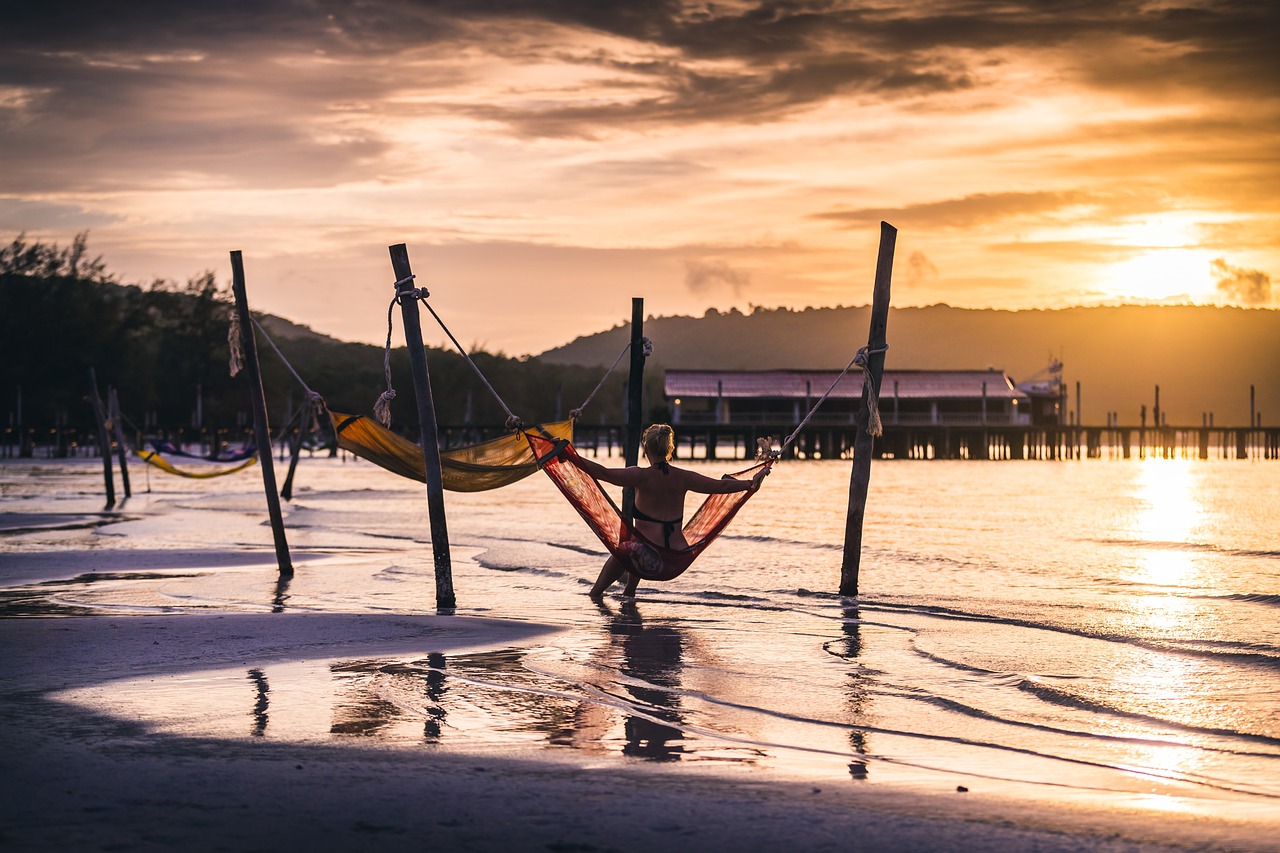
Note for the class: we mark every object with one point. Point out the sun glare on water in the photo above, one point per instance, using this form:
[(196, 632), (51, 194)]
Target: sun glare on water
[(1170, 515)]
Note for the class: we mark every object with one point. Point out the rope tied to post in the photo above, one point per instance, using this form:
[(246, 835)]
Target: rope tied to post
[(646, 350), (872, 392), (382, 408), (765, 450), (235, 345), (312, 401)]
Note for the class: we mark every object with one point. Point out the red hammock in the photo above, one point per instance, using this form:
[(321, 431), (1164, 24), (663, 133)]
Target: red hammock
[(637, 553)]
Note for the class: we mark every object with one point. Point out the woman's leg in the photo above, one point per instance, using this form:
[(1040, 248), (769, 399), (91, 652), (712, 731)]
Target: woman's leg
[(610, 572)]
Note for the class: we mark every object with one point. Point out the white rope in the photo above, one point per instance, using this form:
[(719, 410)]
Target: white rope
[(234, 344), (872, 395), (382, 408), (513, 422), (312, 402), (646, 349), (873, 425)]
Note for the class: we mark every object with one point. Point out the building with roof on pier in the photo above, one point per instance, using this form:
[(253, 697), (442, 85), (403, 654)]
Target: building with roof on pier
[(907, 397)]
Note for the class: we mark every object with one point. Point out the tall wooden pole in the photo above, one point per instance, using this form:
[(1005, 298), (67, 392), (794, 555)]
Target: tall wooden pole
[(864, 442), (635, 397), (427, 432), (295, 445), (635, 383), (113, 408), (104, 439), (261, 430)]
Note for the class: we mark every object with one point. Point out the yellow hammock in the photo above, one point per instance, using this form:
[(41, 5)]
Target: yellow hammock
[(153, 458), (476, 468)]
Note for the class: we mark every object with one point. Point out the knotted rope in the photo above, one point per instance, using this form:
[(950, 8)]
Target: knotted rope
[(646, 349), (874, 427), (872, 392), (312, 401), (235, 345), (382, 408)]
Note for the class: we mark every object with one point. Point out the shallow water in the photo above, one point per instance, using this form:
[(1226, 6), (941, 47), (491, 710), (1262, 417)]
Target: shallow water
[(1062, 630)]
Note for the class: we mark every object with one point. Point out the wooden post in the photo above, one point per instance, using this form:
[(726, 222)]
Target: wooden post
[(261, 430), (427, 432), (863, 442), (104, 440), (113, 408), (295, 449), (635, 398)]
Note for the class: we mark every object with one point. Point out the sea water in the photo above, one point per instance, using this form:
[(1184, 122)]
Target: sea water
[(1060, 630)]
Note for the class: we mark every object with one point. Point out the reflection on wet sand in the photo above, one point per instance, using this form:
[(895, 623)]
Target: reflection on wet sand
[(259, 712), (435, 692), (503, 694), (849, 647), (281, 594), (652, 655)]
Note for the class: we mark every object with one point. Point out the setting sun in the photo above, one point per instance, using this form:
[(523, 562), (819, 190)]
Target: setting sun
[(1163, 275)]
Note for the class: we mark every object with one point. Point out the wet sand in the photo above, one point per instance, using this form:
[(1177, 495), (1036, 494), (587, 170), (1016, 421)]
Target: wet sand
[(76, 779), (181, 586)]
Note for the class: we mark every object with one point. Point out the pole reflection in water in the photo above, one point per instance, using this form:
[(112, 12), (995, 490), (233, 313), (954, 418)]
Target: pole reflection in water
[(435, 692), (281, 594), (652, 655), (849, 647), (259, 712)]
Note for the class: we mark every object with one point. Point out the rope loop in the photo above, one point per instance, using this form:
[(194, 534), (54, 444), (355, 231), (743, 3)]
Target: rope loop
[(864, 354), (871, 395), (870, 392), (235, 345), (382, 408), (515, 424)]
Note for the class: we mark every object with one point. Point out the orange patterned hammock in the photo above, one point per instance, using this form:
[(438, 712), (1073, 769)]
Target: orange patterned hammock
[(475, 468), (646, 558)]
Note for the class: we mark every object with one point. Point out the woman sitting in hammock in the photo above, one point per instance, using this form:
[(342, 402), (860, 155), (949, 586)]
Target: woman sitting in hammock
[(660, 490)]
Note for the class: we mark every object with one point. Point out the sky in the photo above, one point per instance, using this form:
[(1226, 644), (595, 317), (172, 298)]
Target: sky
[(545, 161)]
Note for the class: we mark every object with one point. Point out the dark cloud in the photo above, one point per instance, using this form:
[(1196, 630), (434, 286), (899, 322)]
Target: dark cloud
[(246, 92), (772, 57), (970, 211), (1241, 286), (17, 215), (702, 277)]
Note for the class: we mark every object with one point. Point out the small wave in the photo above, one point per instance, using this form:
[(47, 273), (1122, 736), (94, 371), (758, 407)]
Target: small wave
[(1170, 545), (1251, 597)]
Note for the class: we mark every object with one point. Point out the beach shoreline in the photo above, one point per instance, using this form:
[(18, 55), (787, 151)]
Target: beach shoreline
[(78, 779), (163, 687)]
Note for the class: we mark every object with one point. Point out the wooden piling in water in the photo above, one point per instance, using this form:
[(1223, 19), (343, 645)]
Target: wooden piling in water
[(113, 409), (427, 432), (261, 429), (864, 442), (635, 399), (104, 439)]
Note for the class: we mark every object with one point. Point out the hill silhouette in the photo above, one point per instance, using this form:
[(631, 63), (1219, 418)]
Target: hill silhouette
[(1203, 358)]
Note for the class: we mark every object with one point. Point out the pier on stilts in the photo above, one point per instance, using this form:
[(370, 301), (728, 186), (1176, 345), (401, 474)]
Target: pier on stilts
[(900, 441)]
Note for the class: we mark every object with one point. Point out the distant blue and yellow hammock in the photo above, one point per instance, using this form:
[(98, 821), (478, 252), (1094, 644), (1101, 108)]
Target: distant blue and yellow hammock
[(153, 458)]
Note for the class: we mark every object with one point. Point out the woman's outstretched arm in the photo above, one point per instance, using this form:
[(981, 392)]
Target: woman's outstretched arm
[(629, 476), (696, 482)]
